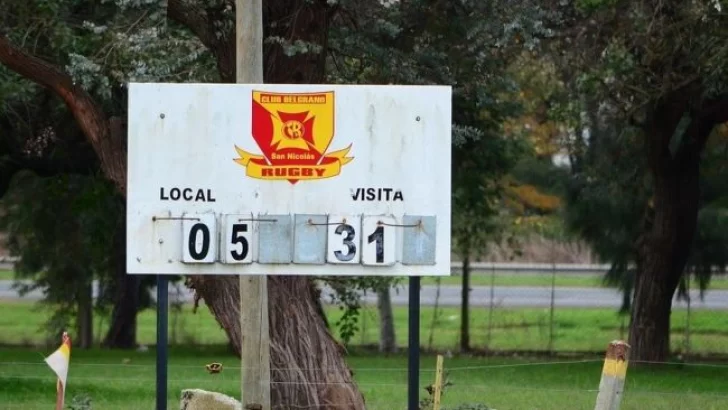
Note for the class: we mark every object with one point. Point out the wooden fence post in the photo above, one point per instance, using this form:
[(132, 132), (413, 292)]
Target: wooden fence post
[(438, 383), (614, 372)]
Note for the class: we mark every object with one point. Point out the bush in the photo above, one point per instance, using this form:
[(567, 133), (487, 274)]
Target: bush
[(80, 402), (427, 403)]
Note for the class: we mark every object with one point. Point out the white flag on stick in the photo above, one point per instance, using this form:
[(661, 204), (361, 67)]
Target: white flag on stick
[(58, 362)]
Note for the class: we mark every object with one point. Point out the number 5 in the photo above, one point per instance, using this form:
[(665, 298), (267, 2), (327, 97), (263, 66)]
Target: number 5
[(343, 239), (237, 239)]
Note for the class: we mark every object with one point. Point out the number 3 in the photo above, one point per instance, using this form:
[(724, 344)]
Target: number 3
[(342, 240)]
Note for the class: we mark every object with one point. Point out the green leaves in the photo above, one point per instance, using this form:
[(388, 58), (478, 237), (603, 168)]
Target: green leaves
[(62, 227)]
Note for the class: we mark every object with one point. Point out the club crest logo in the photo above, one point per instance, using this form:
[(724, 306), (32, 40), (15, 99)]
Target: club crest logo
[(293, 132)]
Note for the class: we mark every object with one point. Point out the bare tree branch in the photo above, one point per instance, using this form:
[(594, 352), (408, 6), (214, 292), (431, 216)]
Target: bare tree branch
[(88, 114)]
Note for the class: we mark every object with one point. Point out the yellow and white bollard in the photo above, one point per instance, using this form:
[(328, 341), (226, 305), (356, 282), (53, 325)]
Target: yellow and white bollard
[(611, 386)]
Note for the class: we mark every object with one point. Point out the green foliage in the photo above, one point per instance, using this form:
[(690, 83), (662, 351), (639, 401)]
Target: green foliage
[(103, 45), (347, 296), (80, 402), (593, 5), (62, 228), (446, 43), (542, 173), (609, 196), (710, 246), (348, 322), (626, 52), (428, 402), (626, 57), (710, 249), (607, 199), (465, 44)]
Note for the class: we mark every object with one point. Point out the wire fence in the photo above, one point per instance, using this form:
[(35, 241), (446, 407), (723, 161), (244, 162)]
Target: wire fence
[(537, 310), (545, 317), (541, 385), (549, 316), (551, 313)]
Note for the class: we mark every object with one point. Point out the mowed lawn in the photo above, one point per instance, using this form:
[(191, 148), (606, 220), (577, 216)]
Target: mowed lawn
[(126, 380)]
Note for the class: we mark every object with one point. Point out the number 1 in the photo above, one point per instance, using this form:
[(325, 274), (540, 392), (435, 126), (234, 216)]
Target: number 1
[(379, 247), (378, 237)]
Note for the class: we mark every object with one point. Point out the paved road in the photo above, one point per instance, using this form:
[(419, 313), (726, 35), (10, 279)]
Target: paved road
[(521, 296)]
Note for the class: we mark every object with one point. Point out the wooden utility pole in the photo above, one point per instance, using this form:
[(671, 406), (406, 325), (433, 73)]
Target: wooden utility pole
[(255, 355)]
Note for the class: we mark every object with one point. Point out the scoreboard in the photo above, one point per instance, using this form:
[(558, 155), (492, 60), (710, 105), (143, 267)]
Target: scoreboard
[(276, 179)]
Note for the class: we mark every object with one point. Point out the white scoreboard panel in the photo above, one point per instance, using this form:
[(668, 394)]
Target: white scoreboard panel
[(288, 179)]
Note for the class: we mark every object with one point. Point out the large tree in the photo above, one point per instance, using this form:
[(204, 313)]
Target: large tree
[(135, 40), (654, 71)]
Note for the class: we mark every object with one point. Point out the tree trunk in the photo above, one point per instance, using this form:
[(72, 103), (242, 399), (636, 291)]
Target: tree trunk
[(663, 256), (316, 296), (85, 317), (387, 341), (667, 239), (307, 365), (465, 306), (122, 329)]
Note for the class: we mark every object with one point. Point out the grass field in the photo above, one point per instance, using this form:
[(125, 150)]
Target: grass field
[(125, 379), (575, 330), (514, 279)]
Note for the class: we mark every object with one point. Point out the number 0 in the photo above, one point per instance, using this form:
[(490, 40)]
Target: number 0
[(192, 243)]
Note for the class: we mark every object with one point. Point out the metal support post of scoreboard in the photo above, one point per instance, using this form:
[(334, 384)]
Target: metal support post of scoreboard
[(162, 312), (413, 380)]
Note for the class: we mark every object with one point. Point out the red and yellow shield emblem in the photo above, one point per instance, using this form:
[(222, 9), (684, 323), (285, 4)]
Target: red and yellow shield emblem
[(293, 132)]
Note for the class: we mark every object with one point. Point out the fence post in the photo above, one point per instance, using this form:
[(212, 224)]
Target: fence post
[(614, 372), (552, 304), (687, 318), (438, 383), (490, 307)]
